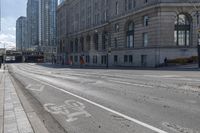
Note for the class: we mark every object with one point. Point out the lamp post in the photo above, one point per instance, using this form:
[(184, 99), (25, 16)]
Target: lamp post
[(198, 47), (108, 53)]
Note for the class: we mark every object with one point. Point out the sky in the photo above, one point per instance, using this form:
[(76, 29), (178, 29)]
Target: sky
[(11, 10)]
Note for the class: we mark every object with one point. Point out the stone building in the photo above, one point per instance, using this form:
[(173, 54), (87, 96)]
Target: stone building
[(126, 32)]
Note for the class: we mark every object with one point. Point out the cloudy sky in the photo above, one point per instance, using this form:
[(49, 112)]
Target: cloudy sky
[(11, 10)]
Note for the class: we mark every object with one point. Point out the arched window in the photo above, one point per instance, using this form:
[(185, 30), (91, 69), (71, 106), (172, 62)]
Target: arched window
[(182, 30), (130, 35)]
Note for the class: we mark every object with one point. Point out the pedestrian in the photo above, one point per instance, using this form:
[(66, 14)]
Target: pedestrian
[(165, 61), (0, 65), (70, 62), (63, 62)]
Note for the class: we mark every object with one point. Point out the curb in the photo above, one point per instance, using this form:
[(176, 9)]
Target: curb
[(37, 125), (1, 102), (41, 121)]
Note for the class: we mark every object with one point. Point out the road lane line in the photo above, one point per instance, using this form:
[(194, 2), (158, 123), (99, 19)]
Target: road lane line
[(128, 83), (105, 108), (110, 79)]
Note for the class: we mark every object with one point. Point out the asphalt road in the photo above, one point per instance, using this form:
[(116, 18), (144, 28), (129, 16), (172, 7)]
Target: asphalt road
[(116, 101)]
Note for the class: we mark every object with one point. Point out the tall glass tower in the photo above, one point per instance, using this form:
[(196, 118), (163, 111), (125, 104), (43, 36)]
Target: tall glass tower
[(47, 27), (33, 23), (21, 34)]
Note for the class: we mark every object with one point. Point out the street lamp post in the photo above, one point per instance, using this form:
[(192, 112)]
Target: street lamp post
[(108, 53), (107, 60), (198, 38), (198, 47)]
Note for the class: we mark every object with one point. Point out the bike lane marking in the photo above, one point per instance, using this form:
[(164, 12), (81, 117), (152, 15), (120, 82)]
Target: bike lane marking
[(38, 88), (71, 109), (105, 108)]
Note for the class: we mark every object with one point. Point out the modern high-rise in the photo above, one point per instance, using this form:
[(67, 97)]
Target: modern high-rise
[(33, 23), (21, 34), (47, 27)]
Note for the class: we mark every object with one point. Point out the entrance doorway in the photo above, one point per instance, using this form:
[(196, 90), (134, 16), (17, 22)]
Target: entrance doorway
[(144, 60)]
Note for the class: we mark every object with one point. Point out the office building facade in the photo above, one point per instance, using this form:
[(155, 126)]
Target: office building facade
[(33, 24), (126, 32)]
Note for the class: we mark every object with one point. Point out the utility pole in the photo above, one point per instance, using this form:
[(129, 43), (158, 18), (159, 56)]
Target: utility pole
[(198, 38)]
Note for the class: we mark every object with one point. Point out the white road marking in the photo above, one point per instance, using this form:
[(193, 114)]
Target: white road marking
[(105, 108), (38, 88), (128, 83), (71, 109), (171, 77), (163, 76), (116, 81)]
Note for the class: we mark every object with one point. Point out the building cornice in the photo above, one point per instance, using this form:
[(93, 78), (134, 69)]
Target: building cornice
[(160, 5), (137, 11)]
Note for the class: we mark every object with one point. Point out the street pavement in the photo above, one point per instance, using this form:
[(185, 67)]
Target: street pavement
[(115, 101)]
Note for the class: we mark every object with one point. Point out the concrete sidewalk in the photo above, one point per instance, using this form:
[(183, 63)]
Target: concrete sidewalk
[(1, 99), (13, 118)]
